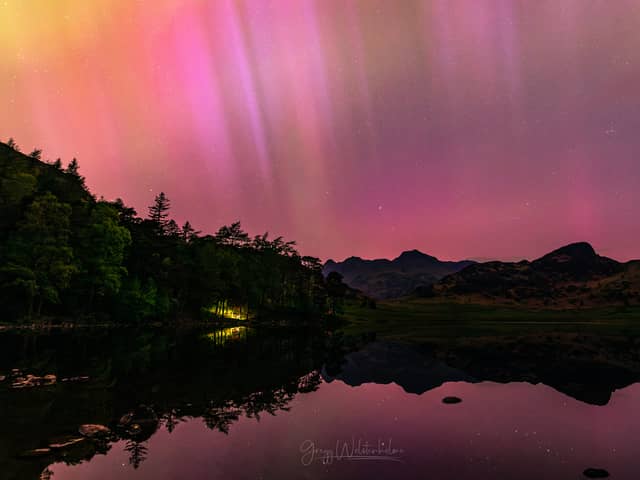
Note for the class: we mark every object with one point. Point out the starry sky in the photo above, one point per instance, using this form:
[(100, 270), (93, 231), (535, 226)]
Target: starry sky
[(484, 129)]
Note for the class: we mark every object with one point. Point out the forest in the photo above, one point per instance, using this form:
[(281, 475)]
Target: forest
[(66, 255)]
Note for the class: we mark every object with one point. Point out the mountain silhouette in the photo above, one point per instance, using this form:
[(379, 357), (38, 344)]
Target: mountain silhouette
[(571, 276), (382, 278)]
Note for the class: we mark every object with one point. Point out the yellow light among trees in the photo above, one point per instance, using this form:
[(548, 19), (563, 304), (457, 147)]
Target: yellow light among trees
[(224, 310)]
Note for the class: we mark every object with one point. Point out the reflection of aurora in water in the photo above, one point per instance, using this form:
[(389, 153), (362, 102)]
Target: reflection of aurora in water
[(229, 334), (247, 415)]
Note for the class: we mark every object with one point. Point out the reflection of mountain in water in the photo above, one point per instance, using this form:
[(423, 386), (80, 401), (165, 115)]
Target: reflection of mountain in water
[(382, 362), (587, 368), (143, 381)]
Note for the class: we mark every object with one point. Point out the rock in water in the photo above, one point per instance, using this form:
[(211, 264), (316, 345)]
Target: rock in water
[(134, 429), (126, 419), (38, 452), (76, 379), (596, 473), (91, 430), (65, 443), (451, 400), (33, 381)]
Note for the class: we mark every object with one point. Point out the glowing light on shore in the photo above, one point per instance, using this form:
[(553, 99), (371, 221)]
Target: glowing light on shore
[(230, 312)]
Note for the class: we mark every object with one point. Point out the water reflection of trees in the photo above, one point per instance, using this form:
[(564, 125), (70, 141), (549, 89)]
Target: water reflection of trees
[(221, 416), (171, 419), (143, 382)]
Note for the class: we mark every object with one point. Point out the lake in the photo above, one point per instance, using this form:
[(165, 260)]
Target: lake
[(243, 404)]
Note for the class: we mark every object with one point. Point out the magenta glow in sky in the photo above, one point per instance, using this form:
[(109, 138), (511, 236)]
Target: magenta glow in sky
[(475, 129)]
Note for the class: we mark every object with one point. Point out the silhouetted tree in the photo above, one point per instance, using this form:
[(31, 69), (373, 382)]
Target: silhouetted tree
[(73, 169), (11, 143), (37, 154), (127, 215), (232, 235), (159, 211), (188, 232), (172, 229)]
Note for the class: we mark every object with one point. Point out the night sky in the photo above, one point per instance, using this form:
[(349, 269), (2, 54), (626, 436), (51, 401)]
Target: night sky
[(466, 129)]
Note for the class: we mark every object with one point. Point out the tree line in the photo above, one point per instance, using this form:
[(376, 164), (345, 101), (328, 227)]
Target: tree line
[(66, 254)]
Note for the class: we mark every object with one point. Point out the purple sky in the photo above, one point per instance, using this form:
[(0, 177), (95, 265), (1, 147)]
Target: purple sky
[(467, 129)]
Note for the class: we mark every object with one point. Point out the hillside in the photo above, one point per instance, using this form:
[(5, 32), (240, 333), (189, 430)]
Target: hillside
[(23, 177), (572, 276), (67, 256), (383, 279)]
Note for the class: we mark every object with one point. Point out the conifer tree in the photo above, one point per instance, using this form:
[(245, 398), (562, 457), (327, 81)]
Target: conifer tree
[(159, 211)]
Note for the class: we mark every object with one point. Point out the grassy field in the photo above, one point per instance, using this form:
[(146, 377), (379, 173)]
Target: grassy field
[(415, 320)]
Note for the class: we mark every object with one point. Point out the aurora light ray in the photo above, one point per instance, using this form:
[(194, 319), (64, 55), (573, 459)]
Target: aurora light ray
[(474, 128)]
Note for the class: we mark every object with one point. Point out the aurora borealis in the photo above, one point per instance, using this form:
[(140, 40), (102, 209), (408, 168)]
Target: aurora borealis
[(466, 129)]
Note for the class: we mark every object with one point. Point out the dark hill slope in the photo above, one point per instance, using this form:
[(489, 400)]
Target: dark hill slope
[(384, 278), (22, 178), (574, 275)]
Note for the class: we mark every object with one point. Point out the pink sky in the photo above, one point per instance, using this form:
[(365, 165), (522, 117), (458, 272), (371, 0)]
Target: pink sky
[(470, 129)]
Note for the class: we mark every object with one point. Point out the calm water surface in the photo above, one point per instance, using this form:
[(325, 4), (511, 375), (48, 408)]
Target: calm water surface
[(231, 404)]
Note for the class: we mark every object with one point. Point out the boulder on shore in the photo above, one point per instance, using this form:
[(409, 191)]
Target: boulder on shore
[(93, 430)]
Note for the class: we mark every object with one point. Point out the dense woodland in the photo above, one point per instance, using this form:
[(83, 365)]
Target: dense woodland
[(66, 254)]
